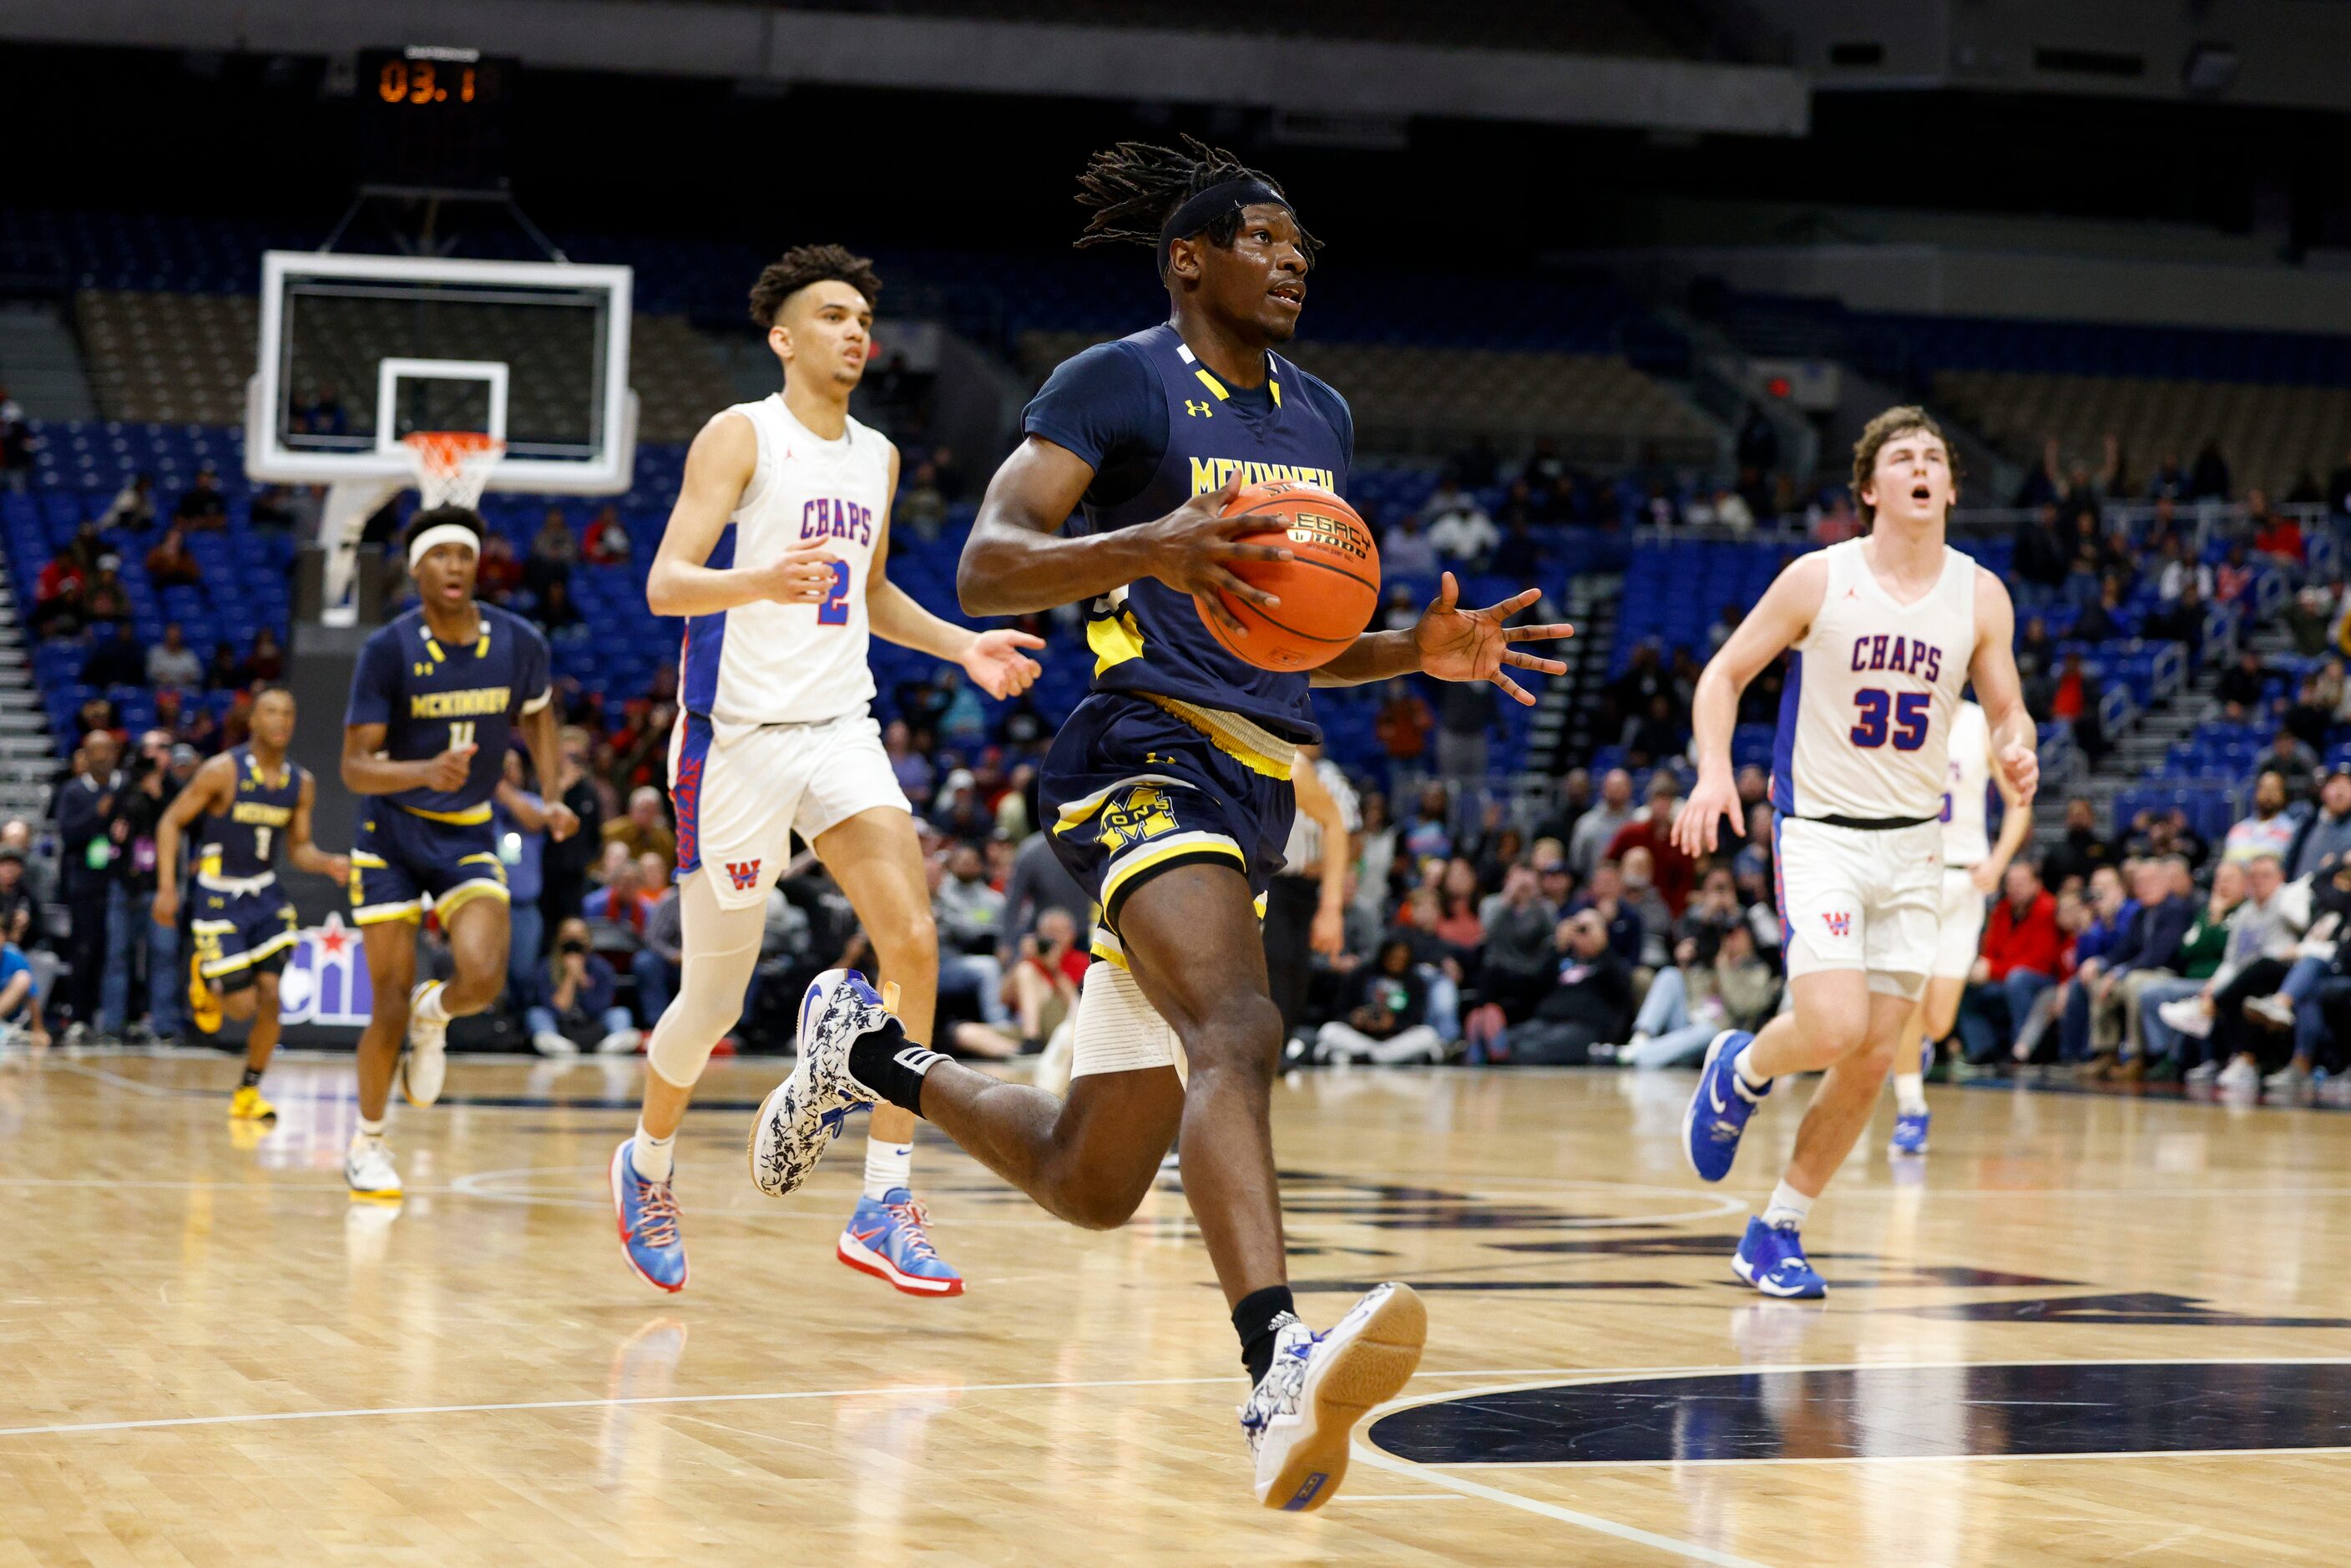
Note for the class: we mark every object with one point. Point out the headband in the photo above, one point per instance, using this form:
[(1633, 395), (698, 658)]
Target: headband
[(1200, 211), (441, 534)]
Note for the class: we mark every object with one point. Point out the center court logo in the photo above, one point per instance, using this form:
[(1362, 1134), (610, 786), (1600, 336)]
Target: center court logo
[(1839, 924)]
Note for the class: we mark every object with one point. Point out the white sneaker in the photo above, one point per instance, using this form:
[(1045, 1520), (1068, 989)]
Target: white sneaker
[(2277, 1011), (2191, 1015), (424, 1065), (620, 1042), (802, 1116), (2202, 1073), (2240, 1074), (2290, 1078), (1298, 1418), (367, 1168), (546, 1043)]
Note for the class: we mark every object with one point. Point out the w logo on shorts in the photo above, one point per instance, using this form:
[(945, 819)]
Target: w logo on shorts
[(1840, 925), (744, 873)]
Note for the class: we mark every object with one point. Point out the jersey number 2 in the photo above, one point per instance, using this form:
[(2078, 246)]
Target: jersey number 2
[(833, 609), (1910, 711)]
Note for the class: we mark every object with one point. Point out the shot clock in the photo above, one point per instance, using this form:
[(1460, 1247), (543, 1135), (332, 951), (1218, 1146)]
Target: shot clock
[(434, 118)]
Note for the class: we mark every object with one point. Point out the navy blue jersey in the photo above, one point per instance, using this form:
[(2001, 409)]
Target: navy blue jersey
[(1159, 428), (242, 841), (429, 699)]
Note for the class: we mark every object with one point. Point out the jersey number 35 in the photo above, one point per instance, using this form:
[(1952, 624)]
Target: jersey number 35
[(1910, 711)]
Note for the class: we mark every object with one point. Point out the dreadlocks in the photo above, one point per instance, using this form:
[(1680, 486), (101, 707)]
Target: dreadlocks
[(1136, 189)]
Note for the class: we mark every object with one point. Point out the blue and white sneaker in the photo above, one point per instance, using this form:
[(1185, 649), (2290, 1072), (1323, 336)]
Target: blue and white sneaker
[(647, 1214), (1299, 1417), (1772, 1259), (889, 1238), (1720, 1107), (804, 1112), (1909, 1134)]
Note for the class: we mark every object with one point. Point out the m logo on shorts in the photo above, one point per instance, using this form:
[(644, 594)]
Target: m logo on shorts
[(745, 872), (1141, 813), (1839, 924)]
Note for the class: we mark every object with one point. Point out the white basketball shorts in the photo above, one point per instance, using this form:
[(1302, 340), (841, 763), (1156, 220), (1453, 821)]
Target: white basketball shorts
[(742, 793), (1859, 898), (1961, 933)]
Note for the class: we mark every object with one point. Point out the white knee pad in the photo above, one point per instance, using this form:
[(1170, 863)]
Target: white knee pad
[(722, 948), (1118, 1030)]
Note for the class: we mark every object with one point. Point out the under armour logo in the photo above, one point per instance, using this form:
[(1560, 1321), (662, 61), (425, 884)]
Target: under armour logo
[(1839, 924), (1199, 410), (744, 873)]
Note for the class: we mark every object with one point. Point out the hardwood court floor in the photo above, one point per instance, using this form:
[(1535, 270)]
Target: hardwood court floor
[(212, 1357)]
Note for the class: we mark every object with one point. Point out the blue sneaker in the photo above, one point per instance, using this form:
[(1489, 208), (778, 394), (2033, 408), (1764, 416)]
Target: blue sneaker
[(1718, 1108), (1772, 1261), (1909, 1134), (889, 1238), (647, 1214)]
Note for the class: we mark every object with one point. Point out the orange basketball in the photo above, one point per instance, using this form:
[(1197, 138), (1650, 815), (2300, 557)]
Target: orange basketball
[(1328, 587)]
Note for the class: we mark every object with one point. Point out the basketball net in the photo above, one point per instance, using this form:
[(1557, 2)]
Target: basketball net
[(453, 466)]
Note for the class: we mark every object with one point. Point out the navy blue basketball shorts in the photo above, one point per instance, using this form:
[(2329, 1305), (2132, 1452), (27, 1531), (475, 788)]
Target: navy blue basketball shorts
[(242, 930), (400, 858)]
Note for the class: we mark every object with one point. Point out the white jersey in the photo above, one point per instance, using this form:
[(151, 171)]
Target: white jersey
[(1866, 721), (766, 663), (1965, 843)]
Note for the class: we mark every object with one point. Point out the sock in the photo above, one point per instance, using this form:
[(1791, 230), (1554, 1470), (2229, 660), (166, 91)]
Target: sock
[(652, 1158), (1253, 1319), (888, 1166), (1753, 1085), (1788, 1209), (1910, 1093), (427, 1006), (252, 1078), (369, 1132), (886, 1063)]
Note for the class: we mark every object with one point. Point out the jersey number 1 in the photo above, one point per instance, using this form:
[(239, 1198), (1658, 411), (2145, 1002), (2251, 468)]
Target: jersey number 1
[(833, 609), (1911, 711)]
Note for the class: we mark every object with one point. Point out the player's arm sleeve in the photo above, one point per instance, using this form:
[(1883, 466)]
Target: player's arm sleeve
[(1099, 405), (375, 683), (533, 686)]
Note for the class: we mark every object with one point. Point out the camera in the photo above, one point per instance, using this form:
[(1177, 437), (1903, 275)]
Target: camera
[(573, 946)]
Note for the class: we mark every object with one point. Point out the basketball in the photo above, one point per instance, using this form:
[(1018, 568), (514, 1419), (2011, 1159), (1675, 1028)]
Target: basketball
[(1328, 587)]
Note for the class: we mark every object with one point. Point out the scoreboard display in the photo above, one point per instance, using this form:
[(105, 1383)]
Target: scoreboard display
[(435, 118)]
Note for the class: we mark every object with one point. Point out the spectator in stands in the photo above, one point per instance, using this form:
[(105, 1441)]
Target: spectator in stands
[(2168, 482), (201, 506), (2200, 953), (1403, 727), (171, 564), (2209, 479), (2181, 620), (623, 900), (1716, 982), (1638, 871), (968, 912), (2270, 831), (171, 663), (1574, 799), (1405, 553), (565, 865), (1463, 535), (83, 806), (645, 830), (1590, 1000), (660, 959), (113, 658), (2177, 573), (1401, 611), (557, 614), (574, 1002), (2074, 700), (20, 907), (133, 506), (1041, 989), (2241, 686), (1387, 1015), (1657, 737), (499, 574), (1427, 834), (57, 601), (136, 946), (2264, 936), (2305, 722), (1646, 677), (2110, 988), (1603, 891), (2276, 535), (1675, 872), (1596, 829), (272, 510), (1447, 496), (2022, 952), (265, 662), (2041, 556), (2318, 984), (2232, 582), (106, 598), (910, 767), (607, 543), (2103, 622), (1467, 712), (920, 506), (2323, 838), (21, 994), (1519, 924), (518, 821), (553, 551)]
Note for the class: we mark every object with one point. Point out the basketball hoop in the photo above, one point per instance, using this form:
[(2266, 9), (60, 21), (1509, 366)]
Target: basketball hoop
[(453, 466)]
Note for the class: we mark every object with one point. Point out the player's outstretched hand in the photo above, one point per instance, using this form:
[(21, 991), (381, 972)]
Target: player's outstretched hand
[(448, 771), (1457, 644), (997, 664), (1193, 548), (562, 821), (1715, 800), (802, 575), (2023, 766), (167, 906)]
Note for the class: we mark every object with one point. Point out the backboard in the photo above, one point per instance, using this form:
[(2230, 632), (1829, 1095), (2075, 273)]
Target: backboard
[(357, 351)]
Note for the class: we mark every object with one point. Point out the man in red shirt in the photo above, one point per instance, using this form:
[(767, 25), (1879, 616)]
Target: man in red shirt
[(2023, 949), (1674, 871)]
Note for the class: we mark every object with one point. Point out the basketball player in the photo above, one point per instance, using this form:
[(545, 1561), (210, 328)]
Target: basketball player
[(252, 797), (1169, 791), (774, 738), (1884, 630), (437, 694), (1972, 867)]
